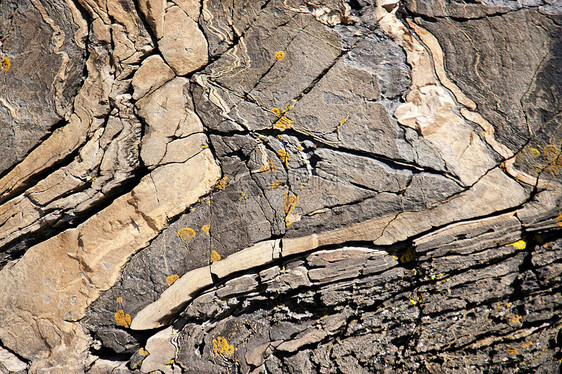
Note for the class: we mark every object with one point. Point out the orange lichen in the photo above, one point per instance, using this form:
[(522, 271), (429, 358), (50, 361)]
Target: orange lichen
[(221, 346), (222, 183), (143, 352), (206, 228), (512, 351), (171, 279), (551, 152), (268, 167), (122, 319), (559, 220), (284, 123), (284, 156), (289, 202), (5, 63), (276, 111), (120, 300), (279, 56), (186, 234), (215, 256), (275, 185)]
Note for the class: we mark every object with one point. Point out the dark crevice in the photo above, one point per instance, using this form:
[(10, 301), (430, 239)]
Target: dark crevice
[(14, 249), (30, 180), (19, 357)]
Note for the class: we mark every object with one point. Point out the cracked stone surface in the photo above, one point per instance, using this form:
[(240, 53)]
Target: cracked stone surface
[(280, 186)]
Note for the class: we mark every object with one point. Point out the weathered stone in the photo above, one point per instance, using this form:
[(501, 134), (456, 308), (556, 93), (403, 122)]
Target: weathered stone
[(191, 7), (183, 46), (257, 255), (87, 259), (44, 75), (168, 116), (152, 74), (281, 186), (9, 363), (173, 300), (153, 11), (160, 352)]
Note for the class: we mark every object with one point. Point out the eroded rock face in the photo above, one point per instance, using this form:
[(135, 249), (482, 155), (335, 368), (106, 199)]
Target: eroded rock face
[(281, 186)]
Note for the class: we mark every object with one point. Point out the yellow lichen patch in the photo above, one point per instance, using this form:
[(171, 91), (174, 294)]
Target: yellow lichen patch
[(516, 319), (408, 256), (559, 220), (5, 63), (533, 152), (284, 123), (120, 300), (288, 222), (284, 156), (551, 152), (186, 234), (215, 256), (279, 56), (289, 202), (268, 167), (222, 183), (171, 279), (520, 244), (276, 111), (221, 346), (143, 352), (275, 185), (416, 300), (122, 319), (242, 196), (206, 228)]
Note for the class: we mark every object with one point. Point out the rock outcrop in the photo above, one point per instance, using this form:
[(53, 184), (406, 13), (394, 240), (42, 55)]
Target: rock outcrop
[(280, 186)]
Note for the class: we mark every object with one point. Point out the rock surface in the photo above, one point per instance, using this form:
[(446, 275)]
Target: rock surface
[(280, 186)]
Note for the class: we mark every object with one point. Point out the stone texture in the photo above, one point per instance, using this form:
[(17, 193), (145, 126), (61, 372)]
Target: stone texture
[(152, 74), (45, 73), (160, 352), (9, 363), (280, 186), (153, 12), (182, 44)]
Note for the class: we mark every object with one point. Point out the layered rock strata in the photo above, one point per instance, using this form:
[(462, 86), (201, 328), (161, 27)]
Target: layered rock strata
[(280, 186)]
